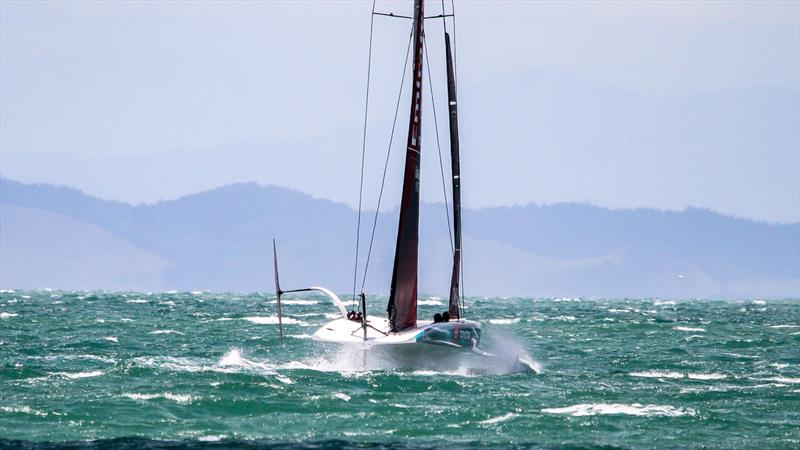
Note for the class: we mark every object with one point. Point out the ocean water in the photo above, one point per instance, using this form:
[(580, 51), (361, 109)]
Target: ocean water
[(201, 369)]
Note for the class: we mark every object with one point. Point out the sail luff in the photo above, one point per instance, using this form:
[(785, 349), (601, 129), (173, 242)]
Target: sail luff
[(455, 164), (402, 307)]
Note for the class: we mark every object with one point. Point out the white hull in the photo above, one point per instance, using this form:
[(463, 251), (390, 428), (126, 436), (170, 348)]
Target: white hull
[(344, 331), (455, 334)]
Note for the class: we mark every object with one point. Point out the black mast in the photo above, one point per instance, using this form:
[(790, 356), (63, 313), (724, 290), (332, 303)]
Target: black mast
[(455, 281)]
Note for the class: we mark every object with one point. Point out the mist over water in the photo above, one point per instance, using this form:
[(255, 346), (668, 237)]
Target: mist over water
[(203, 368)]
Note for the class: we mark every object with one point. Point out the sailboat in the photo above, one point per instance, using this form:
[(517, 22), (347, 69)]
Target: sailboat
[(401, 326)]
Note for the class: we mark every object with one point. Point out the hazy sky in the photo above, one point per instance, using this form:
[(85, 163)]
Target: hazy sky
[(139, 101)]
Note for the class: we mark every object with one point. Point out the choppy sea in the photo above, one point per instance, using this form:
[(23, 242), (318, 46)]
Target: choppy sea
[(202, 369)]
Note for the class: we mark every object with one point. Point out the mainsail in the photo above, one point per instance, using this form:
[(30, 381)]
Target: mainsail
[(454, 309), (402, 306)]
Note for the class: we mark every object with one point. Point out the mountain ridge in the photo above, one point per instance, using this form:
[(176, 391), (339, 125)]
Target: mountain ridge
[(220, 239)]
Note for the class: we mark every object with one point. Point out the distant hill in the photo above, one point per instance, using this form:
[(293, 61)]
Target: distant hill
[(221, 240)]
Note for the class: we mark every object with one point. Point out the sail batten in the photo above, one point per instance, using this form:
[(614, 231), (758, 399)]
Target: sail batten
[(452, 102), (402, 307)]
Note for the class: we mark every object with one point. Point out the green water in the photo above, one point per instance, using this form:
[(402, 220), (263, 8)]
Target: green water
[(207, 367)]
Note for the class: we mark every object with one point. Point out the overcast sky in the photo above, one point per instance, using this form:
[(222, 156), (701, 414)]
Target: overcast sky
[(141, 101)]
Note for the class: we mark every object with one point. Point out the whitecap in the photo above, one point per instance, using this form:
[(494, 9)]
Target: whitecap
[(178, 398), (503, 321), (656, 374), (635, 409), (759, 302), (690, 329), (111, 338), (565, 318), (136, 301), (78, 375), (22, 410), (197, 292), (706, 376), (299, 336), (785, 380), (497, 419), (784, 326), (429, 302), (297, 302), (273, 320), (6, 315), (165, 332), (342, 396), (212, 438), (284, 380), (7, 291)]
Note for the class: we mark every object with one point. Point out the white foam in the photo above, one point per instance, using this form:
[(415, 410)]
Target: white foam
[(779, 365), (6, 315), (690, 329), (706, 376), (342, 396), (504, 321), (78, 375), (429, 302), (273, 320), (165, 332), (136, 301), (179, 398), (635, 409), (497, 419), (299, 336), (785, 380), (297, 302), (212, 438), (232, 358), (74, 357), (565, 318), (656, 374), (197, 292), (111, 338), (784, 326), (7, 291), (22, 410), (284, 380), (759, 302)]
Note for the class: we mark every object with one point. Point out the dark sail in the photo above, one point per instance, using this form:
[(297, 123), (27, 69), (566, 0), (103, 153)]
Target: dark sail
[(456, 166), (402, 306)]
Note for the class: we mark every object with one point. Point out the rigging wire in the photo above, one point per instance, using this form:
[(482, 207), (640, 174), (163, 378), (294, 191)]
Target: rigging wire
[(363, 153), (438, 146), (386, 163)]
